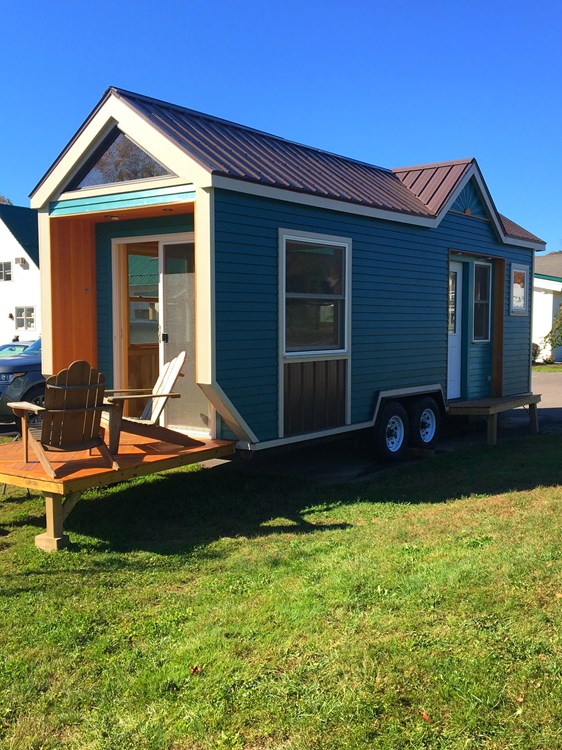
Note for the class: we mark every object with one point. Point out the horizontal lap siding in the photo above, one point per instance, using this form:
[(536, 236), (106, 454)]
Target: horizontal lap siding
[(399, 301)]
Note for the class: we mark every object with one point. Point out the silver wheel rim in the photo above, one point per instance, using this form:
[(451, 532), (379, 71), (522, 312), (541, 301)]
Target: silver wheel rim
[(427, 425), (394, 434)]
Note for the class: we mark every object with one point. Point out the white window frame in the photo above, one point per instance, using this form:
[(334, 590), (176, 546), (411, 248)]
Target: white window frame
[(474, 339), (316, 355), (24, 316), (3, 265), (317, 239), (519, 268)]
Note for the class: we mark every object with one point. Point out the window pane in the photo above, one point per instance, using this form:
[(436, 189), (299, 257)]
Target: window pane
[(117, 159), (481, 302), (314, 324), (481, 322), (481, 283), (143, 322), (452, 301), (314, 269)]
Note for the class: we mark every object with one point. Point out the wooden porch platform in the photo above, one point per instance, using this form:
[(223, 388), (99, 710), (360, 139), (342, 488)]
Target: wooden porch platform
[(491, 407), (137, 456)]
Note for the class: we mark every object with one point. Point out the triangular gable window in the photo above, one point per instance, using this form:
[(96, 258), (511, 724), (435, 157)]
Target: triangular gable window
[(117, 159)]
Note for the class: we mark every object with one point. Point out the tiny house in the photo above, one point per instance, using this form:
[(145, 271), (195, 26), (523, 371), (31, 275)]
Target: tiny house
[(314, 294)]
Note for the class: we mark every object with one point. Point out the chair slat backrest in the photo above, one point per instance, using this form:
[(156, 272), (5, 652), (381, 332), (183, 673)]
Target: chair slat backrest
[(73, 406), (165, 384)]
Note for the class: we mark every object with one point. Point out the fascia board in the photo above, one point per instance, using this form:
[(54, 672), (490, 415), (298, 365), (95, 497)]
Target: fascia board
[(290, 196), (117, 112)]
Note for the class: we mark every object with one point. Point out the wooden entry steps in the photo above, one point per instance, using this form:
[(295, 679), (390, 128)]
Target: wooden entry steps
[(491, 407), (138, 456)]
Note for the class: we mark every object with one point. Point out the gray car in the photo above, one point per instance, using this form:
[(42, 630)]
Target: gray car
[(21, 380)]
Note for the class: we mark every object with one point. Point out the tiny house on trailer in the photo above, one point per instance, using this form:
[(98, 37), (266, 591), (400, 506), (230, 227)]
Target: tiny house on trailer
[(314, 294)]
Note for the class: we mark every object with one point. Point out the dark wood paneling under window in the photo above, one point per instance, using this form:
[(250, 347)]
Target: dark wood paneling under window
[(314, 395)]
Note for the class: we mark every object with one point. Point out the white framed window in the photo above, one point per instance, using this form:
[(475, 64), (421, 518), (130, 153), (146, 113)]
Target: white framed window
[(25, 318), (6, 271), (482, 300), (519, 290), (315, 304)]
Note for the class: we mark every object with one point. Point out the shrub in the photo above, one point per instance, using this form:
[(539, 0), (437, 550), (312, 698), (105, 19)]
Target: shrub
[(535, 351)]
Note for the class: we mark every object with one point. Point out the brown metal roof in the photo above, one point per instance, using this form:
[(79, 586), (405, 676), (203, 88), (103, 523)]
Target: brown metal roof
[(239, 152), (433, 184), (514, 230), (236, 151)]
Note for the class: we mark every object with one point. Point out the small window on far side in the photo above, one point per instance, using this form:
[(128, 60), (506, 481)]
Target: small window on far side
[(25, 318), (6, 271)]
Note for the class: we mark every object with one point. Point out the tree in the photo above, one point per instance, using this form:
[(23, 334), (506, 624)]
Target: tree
[(5, 201), (554, 337)]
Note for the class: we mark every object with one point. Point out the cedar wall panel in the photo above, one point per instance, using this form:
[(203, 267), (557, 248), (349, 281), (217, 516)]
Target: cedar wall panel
[(73, 292)]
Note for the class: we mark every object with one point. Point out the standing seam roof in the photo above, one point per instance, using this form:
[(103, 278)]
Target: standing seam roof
[(242, 153)]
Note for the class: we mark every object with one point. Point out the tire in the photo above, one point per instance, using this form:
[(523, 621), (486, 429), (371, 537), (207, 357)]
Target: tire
[(391, 431), (425, 422), (35, 395)]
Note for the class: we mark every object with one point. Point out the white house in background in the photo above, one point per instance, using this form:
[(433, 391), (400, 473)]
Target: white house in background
[(547, 300), (20, 307)]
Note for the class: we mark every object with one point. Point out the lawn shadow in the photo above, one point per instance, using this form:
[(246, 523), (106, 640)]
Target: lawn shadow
[(182, 510)]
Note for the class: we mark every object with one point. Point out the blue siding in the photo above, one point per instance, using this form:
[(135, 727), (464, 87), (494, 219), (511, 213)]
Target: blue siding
[(104, 234), (399, 303)]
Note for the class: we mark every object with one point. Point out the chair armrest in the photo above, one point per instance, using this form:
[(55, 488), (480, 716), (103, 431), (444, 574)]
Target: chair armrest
[(128, 396), (125, 391), (25, 406)]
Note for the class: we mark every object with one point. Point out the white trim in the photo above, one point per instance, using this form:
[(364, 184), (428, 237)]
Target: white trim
[(285, 357), (205, 286), (330, 204), (44, 229), (392, 393), (165, 187), (305, 199), (115, 111), (520, 268), (229, 414)]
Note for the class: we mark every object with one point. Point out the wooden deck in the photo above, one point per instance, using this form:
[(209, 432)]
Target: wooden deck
[(78, 472), (491, 407)]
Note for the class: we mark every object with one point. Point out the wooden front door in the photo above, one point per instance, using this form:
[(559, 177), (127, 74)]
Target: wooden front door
[(156, 322)]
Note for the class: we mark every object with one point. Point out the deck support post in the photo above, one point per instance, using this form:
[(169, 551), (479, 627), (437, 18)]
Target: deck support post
[(492, 429), (54, 537), (534, 417)]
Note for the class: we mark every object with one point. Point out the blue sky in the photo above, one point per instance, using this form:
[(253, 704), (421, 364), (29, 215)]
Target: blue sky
[(393, 83)]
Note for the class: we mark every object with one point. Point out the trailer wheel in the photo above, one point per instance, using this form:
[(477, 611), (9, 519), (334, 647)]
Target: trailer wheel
[(425, 422), (391, 432)]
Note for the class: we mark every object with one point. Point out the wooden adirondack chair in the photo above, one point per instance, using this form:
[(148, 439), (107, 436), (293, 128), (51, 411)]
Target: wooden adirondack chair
[(74, 401), (147, 424)]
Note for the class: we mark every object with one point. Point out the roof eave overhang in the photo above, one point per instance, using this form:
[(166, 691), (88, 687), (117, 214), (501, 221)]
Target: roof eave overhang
[(317, 201), (112, 111), (431, 222)]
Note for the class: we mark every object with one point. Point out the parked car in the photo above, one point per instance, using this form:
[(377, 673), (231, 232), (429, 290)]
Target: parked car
[(21, 380), (15, 347)]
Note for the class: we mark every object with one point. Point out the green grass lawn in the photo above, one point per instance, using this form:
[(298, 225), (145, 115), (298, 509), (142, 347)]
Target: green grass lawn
[(548, 368), (209, 609)]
